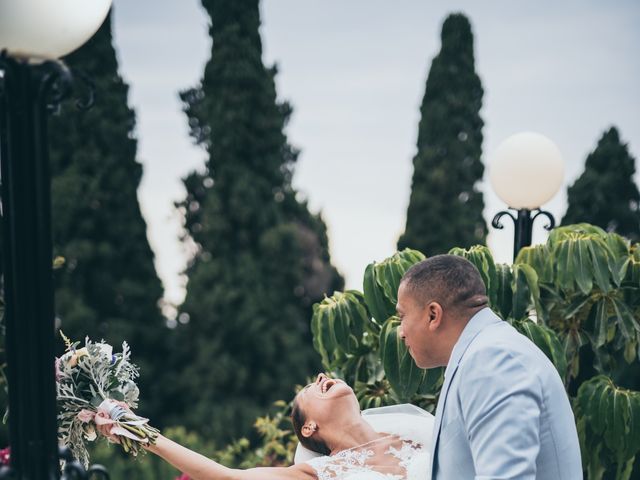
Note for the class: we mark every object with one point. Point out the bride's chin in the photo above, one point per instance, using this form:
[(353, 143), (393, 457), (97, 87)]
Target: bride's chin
[(340, 390)]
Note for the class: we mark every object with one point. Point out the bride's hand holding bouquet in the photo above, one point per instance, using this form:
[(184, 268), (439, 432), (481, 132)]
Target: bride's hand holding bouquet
[(96, 391)]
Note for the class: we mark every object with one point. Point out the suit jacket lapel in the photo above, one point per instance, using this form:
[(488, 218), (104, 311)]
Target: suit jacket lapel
[(476, 324), (448, 376)]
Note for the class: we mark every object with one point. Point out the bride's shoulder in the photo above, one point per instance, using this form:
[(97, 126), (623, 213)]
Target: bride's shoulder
[(406, 421)]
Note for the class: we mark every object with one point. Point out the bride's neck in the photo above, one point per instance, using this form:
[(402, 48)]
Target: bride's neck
[(350, 435)]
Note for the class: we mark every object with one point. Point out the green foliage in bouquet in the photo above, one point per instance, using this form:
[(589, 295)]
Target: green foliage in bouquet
[(95, 387), (577, 297)]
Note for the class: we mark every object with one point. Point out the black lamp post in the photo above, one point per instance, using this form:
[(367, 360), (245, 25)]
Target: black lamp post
[(526, 171), (32, 82)]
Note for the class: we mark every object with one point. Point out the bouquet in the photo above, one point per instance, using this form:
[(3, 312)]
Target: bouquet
[(96, 392)]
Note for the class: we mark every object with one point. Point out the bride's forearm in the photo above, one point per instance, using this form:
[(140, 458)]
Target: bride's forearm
[(193, 464), (199, 467)]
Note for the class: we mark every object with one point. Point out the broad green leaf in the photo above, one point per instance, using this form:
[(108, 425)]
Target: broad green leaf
[(526, 293), (403, 374), (572, 342), (633, 267), (378, 305), (340, 317), (600, 259), (564, 266), (337, 326), (573, 308), (615, 433), (625, 320), (630, 351), (321, 341), (619, 256), (583, 266), (609, 416), (390, 279), (560, 233), (504, 291), (547, 341), (600, 322), (389, 272), (540, 259)]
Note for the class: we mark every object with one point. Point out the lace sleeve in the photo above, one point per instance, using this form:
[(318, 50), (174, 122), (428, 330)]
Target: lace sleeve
[(387, 458)]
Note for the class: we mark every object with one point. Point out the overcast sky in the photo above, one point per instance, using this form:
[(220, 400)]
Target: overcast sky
[(355, 73)]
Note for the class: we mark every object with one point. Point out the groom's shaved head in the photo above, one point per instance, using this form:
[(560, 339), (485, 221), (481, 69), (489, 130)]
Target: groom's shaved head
[(452, 281)]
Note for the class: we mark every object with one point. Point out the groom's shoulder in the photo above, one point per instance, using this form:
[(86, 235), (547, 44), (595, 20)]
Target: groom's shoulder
[(499, 362), (502, 342)]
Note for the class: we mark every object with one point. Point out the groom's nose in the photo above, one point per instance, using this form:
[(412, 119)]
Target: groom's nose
[(401, 332)]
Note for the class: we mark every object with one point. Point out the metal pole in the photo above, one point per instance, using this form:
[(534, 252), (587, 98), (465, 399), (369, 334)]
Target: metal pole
[(27, 254), (522, 231)]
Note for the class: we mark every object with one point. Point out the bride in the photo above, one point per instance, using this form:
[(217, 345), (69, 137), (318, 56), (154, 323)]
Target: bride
[(326, 418)]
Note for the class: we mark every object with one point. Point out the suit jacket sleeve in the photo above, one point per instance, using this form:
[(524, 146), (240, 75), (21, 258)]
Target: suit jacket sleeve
[(501, 403)]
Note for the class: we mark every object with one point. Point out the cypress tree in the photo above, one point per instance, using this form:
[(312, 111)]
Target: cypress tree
[(262, 259), (445, 207), (606, 194), (107, 287)]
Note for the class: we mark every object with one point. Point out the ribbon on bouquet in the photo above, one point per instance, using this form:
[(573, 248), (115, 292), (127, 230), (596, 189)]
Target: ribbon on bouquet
[(115, 418)]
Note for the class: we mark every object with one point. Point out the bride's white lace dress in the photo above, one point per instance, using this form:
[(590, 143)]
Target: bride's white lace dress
[(402, 453)]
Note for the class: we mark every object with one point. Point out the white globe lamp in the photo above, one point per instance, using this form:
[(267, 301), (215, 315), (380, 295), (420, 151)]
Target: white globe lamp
[(48, 29), (526, 171)]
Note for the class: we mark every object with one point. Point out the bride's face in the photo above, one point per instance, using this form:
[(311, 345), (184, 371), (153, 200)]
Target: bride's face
[(326, 398)]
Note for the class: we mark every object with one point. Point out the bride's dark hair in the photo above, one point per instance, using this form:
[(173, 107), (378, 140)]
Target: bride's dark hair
[(298, 418)]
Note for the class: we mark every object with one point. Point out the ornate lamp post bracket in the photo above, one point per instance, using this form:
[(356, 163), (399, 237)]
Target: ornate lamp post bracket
[(523, 225)]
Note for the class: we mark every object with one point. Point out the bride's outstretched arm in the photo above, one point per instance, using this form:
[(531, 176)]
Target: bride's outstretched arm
[(199, 467)]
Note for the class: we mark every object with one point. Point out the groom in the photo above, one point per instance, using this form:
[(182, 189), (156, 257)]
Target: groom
[(503, 412)]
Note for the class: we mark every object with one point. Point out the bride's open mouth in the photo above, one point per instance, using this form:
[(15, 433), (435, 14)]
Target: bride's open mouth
[(326, 384)]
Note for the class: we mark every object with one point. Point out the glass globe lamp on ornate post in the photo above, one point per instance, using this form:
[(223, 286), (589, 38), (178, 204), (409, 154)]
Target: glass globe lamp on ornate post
[(526, 171), (34, 34)]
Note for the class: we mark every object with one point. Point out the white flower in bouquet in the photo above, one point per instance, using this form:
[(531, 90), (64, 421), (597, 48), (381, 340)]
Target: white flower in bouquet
[(96, 392)]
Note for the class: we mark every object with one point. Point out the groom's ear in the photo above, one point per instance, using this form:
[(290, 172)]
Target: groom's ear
[(309, 429), (433, 313)]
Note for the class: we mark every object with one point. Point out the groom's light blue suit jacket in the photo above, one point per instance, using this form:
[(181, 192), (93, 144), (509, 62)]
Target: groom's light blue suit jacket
[(503, 412)]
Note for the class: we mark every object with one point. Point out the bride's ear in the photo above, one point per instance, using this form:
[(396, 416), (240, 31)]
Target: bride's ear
[(309, 429)]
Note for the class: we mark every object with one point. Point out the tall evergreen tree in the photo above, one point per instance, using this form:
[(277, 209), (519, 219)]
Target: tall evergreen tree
[(445, 208), (262, 259), (606, 193), (108, 287)]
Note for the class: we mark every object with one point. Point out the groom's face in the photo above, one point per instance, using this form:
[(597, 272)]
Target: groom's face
[(416, 329)]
